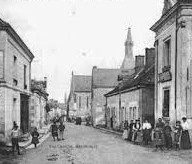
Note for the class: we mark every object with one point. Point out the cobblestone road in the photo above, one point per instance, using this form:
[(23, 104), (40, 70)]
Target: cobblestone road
[(86, 145)]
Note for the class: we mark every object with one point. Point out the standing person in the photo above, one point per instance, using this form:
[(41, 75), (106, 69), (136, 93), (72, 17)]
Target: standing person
[(15, 138), (35, 137), (130, 135), (61, 130), (159, 138), (136, 131), (185, 140), (146, 132), (125, 132), (167, 135), (177, 134), (54, 130)]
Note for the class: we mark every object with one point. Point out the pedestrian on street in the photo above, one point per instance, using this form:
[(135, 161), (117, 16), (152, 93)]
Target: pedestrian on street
[(61, 130), (177, 135), (159, 137), (146, 132), (54, 130), (137, 132), (15, 138), (35, 137), (167, 135), (125, 131), (185, 140), (130, 135)]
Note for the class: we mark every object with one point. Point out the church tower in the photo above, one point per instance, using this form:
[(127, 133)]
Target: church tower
[(128, 64)]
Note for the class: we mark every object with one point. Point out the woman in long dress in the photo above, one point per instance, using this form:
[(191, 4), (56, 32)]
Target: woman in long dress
[(125, 131), (185, 140), (146, 132)]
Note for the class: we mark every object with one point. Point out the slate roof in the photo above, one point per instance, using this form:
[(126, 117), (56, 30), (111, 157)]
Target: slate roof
[(145, 77), (105, 78), (7, 27), (82, 83)]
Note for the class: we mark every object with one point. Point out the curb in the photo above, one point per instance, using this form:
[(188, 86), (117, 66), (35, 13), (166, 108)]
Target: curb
[(41, 140), (109, 131)]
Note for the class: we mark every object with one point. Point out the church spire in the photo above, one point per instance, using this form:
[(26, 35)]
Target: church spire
[(128, 62)]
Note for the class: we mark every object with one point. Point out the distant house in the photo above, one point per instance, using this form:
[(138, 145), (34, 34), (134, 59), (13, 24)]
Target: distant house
[(39, 97), (103, 81), (133, 98), (15, 79), (80, 95)]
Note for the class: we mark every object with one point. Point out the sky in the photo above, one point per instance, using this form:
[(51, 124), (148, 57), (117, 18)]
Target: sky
[(75, 35)]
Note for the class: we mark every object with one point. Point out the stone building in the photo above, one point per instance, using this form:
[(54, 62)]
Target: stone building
[(133, 97), (103, 81), (37, 113), (173, 65), (15, 78), (79, 101)]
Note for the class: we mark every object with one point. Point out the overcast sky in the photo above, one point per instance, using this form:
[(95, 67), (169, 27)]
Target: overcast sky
[(66, 35)]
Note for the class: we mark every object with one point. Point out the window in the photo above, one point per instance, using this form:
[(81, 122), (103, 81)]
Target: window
[(166, 101), (167, 53), (15, 60), (75, 98), (87, 101), (79, 101), (15, 82), (25, 72), (187, 74), (1, 64)]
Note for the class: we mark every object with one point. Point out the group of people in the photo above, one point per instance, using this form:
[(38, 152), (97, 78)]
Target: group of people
[(15, 135), (163, 135), (57, 130)]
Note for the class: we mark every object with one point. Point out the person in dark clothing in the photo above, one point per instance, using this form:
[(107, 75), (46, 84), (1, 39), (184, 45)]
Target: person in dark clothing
[(159, 137), (61, 130), (177, 135), (125, 131), (146, 132), (54, 130), (167, 136), (185, 139), (130, 135), (137, 131), (35, 137)]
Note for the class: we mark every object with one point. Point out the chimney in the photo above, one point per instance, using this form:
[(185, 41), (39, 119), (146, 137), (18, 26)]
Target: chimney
[(149, 56), (45, 83), (139, 62)]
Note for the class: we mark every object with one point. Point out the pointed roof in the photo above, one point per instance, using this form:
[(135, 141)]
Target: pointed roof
[(105, 78), (145, 77), (81, 83), (128, 62)]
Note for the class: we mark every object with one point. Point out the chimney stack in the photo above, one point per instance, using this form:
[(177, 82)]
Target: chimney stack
[(149, 56), (139, 62)]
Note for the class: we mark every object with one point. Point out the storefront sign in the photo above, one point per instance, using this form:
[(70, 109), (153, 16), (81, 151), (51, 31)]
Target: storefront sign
[(165, 76)]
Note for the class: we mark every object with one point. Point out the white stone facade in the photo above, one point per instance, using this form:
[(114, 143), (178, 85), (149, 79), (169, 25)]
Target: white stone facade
[(15, 77)]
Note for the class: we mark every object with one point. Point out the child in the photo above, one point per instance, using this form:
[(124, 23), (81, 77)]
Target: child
[(177, 134), (35, 137)]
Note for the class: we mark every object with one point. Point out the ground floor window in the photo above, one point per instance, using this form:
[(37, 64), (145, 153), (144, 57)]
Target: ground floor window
[(166, 100)]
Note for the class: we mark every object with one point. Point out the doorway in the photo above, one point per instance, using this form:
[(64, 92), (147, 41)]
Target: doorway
[(24, 107)]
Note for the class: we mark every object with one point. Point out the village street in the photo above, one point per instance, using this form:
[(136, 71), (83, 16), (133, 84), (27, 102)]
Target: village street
[(83, 145)]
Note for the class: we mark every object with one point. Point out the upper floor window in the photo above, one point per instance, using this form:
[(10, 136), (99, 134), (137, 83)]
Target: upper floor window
[(25, 77), (1, 64), (167, 53), (15, 59), (87, 101), (79, 101)]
